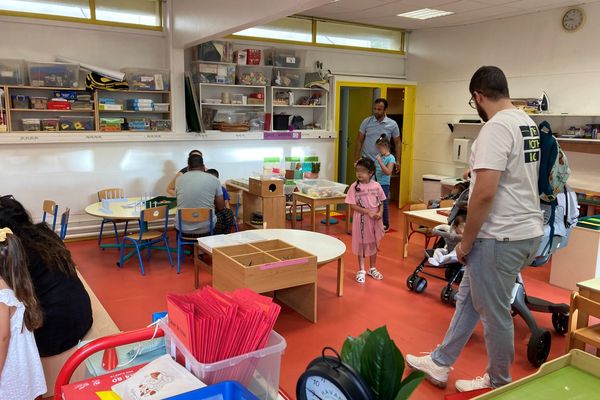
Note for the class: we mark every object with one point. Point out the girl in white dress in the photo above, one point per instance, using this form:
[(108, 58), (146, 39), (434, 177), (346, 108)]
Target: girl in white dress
[(21, 374)]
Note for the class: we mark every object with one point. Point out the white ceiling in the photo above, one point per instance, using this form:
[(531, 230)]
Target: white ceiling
[(383, 12)]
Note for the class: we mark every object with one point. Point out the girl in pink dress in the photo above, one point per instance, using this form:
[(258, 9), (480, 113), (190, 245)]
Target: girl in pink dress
[(366, 198)]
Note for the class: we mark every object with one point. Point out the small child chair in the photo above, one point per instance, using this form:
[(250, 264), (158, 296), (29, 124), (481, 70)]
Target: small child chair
[(190, 215), (50, 207), (64, 222)]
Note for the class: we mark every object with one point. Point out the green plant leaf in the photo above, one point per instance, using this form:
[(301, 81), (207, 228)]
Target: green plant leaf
[(353, 349), (382, 365), (409, 384)]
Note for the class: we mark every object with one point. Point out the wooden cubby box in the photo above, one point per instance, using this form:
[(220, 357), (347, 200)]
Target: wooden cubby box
[(282, 266), (266, 187)]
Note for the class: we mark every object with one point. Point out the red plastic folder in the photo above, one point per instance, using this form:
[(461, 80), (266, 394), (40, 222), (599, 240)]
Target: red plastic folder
[(216, 325)]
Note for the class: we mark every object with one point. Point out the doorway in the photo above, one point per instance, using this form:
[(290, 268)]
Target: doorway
[(354, 104)]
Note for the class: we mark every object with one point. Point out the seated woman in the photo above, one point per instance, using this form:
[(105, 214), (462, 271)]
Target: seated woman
[(65, 303), (171, 188)]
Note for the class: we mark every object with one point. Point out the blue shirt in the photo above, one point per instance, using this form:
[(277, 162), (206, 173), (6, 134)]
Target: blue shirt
[(225, 194), (382, 178), (373, 129)]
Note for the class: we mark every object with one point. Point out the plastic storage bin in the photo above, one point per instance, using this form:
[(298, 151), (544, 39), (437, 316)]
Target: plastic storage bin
[(162, 125), (258, 371), (218, 51), (228, 390), (253, 75), (147, 79), (50, 124), (20, 101), (12, 72), (53, 74), (284, 58), (288, 77), (30, 124), (321, 188), (213, 72), (72, 123), (39, 103)]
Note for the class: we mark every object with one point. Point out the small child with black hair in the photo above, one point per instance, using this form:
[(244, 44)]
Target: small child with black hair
[(452, 238), (226, 196), (384, 167)]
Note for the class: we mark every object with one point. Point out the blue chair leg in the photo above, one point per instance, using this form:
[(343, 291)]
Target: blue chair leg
[(101, 230), (126, 226), (137, 249), (122, 254), (168, 251), (116, 231), (179, 249), (149, 243)]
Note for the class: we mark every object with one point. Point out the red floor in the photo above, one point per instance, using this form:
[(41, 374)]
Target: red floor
[(416, 322)]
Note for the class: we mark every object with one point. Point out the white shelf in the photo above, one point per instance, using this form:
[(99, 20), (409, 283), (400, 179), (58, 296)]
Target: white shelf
[(232, 105), (296, 88), (232, 85), (12, 110), (298, 106)]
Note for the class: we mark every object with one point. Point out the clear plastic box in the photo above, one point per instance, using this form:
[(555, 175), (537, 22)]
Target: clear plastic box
[(12, 72), (147, 79), (31, 124), (213, 72), (321, 188), (53, 74), (258, 371), (288, 77), (256, 75), (50, 124), (284, 58), (76, 123)]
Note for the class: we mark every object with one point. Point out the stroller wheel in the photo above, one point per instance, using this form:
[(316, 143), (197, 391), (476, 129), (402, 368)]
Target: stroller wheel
[(447, 295), (410, 281), (538, 347), (560, 322), (420, 284)]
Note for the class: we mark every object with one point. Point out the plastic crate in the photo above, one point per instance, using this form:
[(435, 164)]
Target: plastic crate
[(253, 75), (53, 74), (72, 123), (258, 370), (12, 72), (288, 77), (284, 58), (321, 188), (30, 124), (50, 124), (228, 390), (213, 72), (147, 79), (20, 101)]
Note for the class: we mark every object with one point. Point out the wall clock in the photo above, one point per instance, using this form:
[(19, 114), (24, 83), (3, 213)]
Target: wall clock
[(573, 19)]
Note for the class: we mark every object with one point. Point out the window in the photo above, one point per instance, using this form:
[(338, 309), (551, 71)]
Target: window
[(144, 14), (327, 33), (138, 12), (343, 34), (64, 8), (289, 29)]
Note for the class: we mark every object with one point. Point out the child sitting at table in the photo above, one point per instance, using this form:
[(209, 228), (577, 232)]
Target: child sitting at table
[(225, 217)]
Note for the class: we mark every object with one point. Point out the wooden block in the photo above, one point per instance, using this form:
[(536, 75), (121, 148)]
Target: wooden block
[(266, 187), (302, 299)]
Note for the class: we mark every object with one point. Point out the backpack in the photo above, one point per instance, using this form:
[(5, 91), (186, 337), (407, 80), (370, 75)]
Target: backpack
[(554, 166)]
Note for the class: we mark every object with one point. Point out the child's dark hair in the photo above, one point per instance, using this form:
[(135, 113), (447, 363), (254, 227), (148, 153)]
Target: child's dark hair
[(383, 141), (365, 163), (14, 271), (213, 172), (459, 219)]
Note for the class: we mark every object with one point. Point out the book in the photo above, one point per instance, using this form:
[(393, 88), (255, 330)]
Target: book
[(98, 388)]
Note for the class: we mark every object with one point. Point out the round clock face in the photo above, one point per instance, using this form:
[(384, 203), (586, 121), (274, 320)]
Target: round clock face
[(319, 388), (573, 19)]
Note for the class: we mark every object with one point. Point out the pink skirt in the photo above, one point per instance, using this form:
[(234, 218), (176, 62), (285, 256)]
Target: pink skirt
[(366, 234)]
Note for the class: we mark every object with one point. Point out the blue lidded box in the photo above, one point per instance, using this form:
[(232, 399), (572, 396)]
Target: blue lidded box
[(227, 390)]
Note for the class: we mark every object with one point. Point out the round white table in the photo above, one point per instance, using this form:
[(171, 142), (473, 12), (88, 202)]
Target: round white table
[(325, 247), (120, 209)]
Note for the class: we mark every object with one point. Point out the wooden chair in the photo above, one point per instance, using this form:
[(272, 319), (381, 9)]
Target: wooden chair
[(235, 201), (190, 215), (50, 208), (64, 222), (145, 238), (422, 230), (446, 203), (579, 336), (111, 193)]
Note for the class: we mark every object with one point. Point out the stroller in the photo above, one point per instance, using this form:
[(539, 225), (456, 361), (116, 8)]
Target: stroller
[(452, 271), (559, 219)]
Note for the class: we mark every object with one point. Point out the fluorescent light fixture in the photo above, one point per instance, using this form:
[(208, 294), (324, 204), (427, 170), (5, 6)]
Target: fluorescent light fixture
[(425, 13)]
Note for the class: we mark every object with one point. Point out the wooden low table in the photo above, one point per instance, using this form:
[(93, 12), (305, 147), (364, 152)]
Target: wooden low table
[(589, 289), (313, 203), (429, 218), (325, 247)]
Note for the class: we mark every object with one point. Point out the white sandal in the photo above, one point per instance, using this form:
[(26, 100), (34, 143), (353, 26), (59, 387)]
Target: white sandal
[(360, 276), (375, 274)]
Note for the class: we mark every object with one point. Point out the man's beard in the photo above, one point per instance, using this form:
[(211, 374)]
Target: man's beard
[(482, 114)]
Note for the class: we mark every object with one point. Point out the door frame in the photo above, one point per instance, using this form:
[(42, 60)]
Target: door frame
[(408, 129)]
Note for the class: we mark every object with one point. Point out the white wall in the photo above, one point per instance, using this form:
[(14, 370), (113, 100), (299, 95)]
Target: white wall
[(534, 52)]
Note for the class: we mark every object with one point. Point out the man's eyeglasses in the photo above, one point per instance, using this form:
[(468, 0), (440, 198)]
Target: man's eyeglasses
[(472, 102), (7, 196)]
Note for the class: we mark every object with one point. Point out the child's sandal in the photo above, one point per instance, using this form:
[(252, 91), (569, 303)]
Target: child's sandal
[(360, 276), (375, 274)]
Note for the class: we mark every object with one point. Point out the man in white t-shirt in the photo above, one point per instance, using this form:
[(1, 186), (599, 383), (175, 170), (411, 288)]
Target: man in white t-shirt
[(502, 233)]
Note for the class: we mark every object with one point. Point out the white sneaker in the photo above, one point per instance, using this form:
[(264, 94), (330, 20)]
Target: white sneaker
[(436, 374), (481, 382)]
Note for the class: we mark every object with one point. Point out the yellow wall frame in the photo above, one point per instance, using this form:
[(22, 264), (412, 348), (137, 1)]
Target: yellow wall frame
[(408, 130)]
